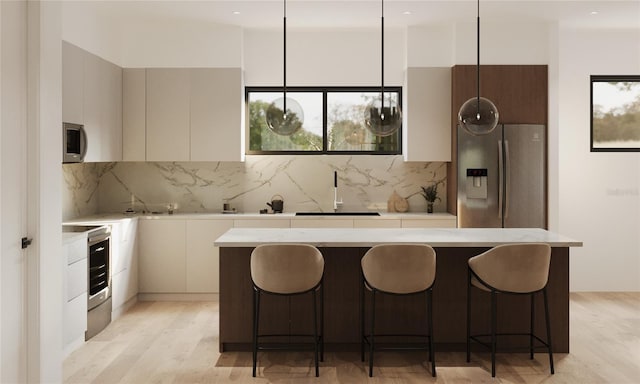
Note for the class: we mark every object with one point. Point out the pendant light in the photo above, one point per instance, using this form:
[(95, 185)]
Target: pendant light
[(383, 118), (478, 115), (284, 115)]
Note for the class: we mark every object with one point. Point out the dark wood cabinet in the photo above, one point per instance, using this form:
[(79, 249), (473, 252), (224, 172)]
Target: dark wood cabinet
[(520, 92)]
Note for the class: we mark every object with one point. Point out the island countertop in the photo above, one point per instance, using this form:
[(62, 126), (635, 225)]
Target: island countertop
[(368, 237)]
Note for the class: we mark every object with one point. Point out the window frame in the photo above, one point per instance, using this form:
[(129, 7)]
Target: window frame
[(324, 91)]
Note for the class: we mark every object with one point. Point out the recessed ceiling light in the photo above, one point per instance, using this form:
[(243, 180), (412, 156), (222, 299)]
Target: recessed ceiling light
[(406, 12), (236, 12), (594, 12)]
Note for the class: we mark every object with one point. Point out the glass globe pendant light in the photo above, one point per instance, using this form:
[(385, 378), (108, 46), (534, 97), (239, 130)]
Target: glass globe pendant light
[(284, 116), (478, 115), (383, 118)]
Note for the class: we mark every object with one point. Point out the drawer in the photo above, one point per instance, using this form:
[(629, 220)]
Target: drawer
[(76, 279)]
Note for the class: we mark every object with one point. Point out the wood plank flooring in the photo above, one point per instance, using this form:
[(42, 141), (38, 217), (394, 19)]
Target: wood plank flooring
[(177, 342)]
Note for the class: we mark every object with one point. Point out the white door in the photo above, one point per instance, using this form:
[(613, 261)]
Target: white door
[(13, 188)]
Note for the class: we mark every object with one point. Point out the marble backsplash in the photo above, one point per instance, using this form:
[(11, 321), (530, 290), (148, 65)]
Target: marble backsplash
[(304, 182)]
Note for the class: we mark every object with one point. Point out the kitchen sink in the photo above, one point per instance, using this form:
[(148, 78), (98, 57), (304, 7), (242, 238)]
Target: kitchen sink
[(337, 214)]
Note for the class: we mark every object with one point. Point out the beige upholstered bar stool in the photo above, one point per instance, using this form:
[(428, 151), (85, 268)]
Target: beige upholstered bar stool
[(521, 269), (286, 270), (398, 269)]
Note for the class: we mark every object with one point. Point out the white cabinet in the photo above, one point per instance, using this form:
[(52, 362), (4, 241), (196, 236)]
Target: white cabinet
[(167, 95), (182, 114), (440, 221), (124, 259), (376, 223), (202, 258), (266, 222), (92, 95), (162, 259), (133, 114), (72, 83), (74, 289), (102, 109), (427, 114), (321, 223), (216, 114)]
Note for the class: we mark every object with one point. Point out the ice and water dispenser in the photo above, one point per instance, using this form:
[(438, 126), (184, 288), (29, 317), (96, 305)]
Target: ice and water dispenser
[(476, 183)]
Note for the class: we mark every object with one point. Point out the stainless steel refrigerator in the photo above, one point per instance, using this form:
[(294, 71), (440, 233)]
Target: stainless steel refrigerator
[(502, 178)]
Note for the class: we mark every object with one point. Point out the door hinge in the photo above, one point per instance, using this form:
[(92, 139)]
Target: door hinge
[(26, 242)]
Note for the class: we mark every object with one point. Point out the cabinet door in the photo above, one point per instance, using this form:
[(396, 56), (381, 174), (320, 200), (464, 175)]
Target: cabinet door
[(72, 83), (445, 222), (427, 114), (322, 223), (167, 108), (376, 223), (262, 223), (133, 114), (124, 253), (216, 114), (203, 259), (162, 264), (102, 108)]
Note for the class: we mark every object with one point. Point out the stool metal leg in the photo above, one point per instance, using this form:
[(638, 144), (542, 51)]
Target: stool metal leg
[(322, 322), (533, 317), (468, 315), (362, 336), (256, 315), (373, 330), (546, 315), (432, 352), (494, 315), (315, 331)]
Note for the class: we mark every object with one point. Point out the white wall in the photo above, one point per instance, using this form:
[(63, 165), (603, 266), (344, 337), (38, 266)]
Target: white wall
[(599, 193), (323, 58)]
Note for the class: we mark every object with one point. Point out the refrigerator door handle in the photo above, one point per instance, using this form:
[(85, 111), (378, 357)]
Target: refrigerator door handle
[(507, 184), (500, 178)]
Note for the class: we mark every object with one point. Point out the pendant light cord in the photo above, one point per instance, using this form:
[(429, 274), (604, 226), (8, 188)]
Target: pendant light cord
[(284, 60), (382, 61), (478, 58)]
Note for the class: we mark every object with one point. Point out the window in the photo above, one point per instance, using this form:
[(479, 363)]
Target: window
[(333, 121)]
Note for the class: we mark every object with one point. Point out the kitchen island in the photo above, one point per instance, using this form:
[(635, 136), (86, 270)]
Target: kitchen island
[(342, 250)]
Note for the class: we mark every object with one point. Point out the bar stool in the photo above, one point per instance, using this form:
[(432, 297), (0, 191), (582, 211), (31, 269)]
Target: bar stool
[(398, 269), (287, 270), (519, 269)]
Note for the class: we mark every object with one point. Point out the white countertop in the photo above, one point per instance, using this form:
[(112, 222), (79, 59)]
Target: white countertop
[(368, 237), (111, 217)]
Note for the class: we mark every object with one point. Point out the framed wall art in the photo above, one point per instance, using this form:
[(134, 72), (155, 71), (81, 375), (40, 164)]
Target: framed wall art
[(615, 113)]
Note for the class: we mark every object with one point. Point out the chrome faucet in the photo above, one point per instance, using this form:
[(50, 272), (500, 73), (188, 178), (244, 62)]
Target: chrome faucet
[(336, 203)]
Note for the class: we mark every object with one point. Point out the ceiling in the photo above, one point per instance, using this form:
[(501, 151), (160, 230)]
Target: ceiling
[(366, 13)]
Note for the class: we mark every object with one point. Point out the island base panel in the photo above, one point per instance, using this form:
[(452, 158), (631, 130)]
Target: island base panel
[(395, 314)]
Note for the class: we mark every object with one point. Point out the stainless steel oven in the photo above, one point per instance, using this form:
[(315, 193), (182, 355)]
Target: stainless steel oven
[(99, 280)]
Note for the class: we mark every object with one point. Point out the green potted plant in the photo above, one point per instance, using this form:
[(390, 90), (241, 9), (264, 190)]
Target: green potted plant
[(430, 194)]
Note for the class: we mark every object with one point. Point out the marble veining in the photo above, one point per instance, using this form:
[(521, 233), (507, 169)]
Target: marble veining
[(304, 182)]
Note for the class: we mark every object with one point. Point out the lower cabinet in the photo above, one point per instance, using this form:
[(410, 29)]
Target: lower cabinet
[(124, 259), (178, 256), (162, 260), (435, 222), (74, 292), (202, 258)]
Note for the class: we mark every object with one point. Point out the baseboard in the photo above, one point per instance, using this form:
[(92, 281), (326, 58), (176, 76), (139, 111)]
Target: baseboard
[(115, 313), (178, 296)]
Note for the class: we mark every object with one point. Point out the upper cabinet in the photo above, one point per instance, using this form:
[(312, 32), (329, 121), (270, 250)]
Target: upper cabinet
[(216, 114), (168, 114), (427, 104), (92, 95), (183, 114)]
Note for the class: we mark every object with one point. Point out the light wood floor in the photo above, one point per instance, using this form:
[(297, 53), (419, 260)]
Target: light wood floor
[(177, 342)]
